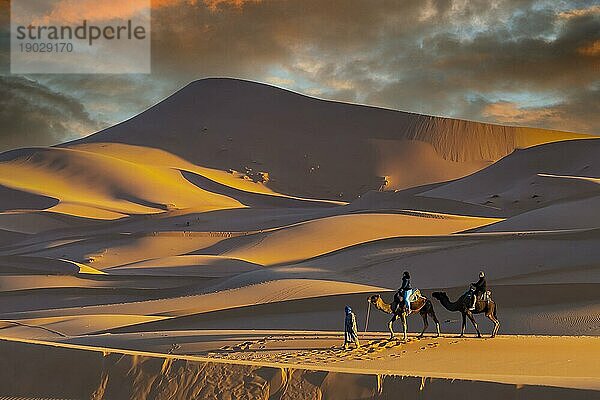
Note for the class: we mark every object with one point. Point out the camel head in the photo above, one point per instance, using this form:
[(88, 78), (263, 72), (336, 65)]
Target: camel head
[(374, 299), (439, 295), (379, 304)]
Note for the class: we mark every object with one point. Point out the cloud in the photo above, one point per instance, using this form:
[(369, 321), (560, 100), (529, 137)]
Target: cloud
[(580, 12), (214, 5), (424, 56), (578, 111), (474, 59), (111, 98), (509, 112), (275, 80), (33, 115), (75, 11)]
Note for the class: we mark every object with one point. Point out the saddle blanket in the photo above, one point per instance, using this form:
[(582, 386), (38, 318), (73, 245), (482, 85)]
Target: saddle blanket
[(416, 293), (487, 296)]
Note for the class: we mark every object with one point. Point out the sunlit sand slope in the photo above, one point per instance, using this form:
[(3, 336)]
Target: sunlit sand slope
[(380, 371), (314, 238), (98, 186)]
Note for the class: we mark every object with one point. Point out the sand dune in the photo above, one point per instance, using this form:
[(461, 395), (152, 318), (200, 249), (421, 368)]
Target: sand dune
[(91, 181), (409, 163), (188, 265), (8, 237), (232, 124), (575, 214), (93, 319), (314, 238), (106, 252), (524, 180), (454, 261), (34, 222), (234, 181), (11, 200), (234, 206), (379, 371)]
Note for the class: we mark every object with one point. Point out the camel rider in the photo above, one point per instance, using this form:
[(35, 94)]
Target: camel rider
[(350, 330), (404, 291), (478, 288)]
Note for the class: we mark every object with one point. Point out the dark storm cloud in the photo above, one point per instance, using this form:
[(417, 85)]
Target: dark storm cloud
[(495, 58), (4, 36), (446, 68), (251, 39), (111, 98), (33, 115), (425, 56)]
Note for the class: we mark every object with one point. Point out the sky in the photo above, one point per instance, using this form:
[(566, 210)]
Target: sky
[(517, 62)]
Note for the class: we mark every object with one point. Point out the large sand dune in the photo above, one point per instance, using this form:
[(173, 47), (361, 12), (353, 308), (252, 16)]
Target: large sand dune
[(530, 178), (234, 205), (233, 124), (381, 370)]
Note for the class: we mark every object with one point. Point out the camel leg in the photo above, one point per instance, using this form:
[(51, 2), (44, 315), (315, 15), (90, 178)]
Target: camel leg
[(496, 324), (437, 323), (464, 325), (470, 315), (492, 316), (496, 327), (390, 327), (497, 321), (404, 328), (425, 323)]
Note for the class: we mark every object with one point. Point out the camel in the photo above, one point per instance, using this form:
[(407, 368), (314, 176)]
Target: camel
[(422, 306), (463, 304)]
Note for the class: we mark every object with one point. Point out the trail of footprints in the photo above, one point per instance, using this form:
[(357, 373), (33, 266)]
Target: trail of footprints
[(370, 350)]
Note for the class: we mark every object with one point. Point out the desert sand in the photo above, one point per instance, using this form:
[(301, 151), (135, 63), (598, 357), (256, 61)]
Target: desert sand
[(220, 234)]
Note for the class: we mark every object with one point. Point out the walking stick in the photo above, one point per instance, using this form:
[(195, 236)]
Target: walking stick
[(368, 312)]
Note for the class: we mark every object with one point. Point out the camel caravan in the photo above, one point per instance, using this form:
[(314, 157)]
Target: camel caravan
[(407, 301)]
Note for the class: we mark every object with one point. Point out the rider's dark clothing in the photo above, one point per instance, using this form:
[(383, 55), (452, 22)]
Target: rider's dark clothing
[(405, 283), (480, 286), (400, 293)]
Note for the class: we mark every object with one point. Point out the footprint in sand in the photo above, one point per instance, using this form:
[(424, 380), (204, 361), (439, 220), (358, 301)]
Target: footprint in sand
[(243, 346)]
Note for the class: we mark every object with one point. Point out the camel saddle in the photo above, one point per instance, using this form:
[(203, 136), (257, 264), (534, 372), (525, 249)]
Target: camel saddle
[(414, 296), (487, 296)]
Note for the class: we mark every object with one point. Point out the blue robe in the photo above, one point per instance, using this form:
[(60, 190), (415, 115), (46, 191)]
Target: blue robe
[(350, 330)]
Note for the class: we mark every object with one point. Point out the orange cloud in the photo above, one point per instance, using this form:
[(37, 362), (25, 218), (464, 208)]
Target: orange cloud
[(213, 5), (591, 51), (579, 12), (74, 11), (509, 112), (170, 3)]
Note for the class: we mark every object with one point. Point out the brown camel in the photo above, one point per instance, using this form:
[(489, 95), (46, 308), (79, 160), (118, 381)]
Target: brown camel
[(463, 304), (422, 306)]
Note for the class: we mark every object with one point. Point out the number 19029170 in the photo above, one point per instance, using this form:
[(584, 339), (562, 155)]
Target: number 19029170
[(62, 47)]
